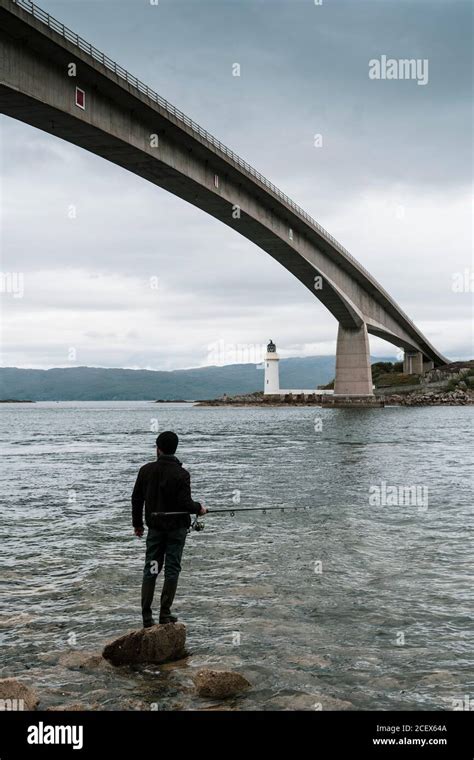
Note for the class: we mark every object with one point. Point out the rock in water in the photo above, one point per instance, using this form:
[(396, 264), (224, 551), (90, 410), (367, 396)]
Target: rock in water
[(80, 660), (219, 683), (159, 643), (15, 695)]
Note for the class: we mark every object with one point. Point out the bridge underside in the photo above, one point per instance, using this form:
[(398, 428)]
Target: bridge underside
[(126, 127)]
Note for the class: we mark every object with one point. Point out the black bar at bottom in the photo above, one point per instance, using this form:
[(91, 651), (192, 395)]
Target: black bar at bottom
[(322, 734)]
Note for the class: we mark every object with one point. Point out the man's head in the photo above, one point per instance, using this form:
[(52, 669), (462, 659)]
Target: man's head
[(167, 442)]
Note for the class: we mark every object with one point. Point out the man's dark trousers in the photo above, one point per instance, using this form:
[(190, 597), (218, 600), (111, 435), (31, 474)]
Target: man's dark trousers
[(162, 547)]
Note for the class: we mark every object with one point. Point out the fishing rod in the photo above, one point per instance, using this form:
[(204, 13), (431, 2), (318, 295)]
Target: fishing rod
[(197, 525)]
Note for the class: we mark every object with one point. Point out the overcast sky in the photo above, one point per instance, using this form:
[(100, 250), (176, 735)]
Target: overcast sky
[(391, 181)]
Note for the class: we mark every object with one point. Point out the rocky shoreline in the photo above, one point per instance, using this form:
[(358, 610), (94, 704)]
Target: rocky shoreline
[(424, 397), (172, 401), (431, 398), (16, 401)]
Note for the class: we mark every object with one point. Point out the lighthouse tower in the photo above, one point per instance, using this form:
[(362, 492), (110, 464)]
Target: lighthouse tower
[(272, 380)]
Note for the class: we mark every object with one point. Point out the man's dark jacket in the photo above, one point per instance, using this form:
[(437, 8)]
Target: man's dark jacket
[(163, 486)]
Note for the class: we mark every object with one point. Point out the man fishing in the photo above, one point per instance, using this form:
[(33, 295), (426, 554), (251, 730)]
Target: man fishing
[(163, 486)]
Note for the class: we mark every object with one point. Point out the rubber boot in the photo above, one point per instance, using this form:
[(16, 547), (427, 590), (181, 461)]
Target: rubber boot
[(167, 598), (148, 589)]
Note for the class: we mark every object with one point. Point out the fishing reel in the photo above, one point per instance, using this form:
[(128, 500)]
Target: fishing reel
[(197, 525)]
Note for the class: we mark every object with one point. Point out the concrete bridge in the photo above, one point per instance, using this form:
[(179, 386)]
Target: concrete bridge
[(53, 80)]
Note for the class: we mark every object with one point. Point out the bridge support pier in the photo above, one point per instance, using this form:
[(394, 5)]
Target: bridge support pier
[(413, 363), (353, 371), (427, 365)]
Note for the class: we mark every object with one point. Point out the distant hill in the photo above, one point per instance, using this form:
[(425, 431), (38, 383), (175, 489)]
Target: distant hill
[(103, 384)]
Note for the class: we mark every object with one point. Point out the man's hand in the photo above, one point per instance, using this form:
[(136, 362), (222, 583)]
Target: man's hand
[(138, 532), (202, 511)]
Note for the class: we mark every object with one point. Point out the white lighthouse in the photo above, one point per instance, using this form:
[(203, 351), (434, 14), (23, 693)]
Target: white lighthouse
[(272, 379)]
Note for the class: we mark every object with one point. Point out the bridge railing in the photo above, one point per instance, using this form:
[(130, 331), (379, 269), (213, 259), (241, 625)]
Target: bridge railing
[(99, 56)]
